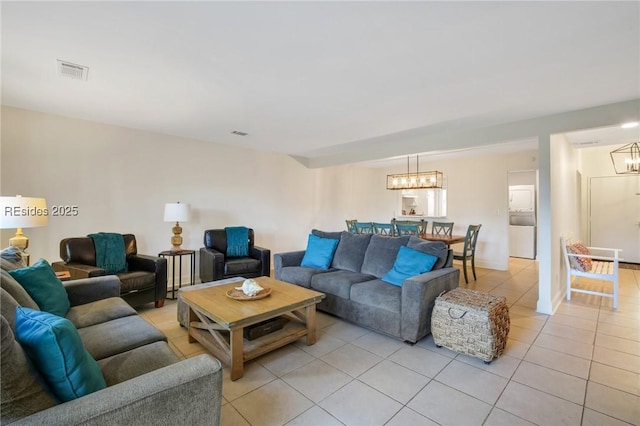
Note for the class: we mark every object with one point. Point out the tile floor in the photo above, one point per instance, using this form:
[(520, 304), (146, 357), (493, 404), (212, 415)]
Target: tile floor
[(579, 366)]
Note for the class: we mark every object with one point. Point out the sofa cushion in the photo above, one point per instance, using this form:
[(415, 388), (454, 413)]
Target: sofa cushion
[(13, 287), (381, 254), (44, 287), (350, 252), (22, 392), (136, 362), (8, 307), (409, 262), (338, 283), (434, 248), (54, 346), (243, 265), (319, 252), (334, 235), (119, 335), (299, 275), (378, 294), (100, 311)]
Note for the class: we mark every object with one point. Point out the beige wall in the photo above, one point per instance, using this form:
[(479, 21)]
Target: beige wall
[(121, 178)]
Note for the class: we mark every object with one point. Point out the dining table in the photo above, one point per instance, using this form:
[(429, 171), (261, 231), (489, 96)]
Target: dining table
[(447, 239)]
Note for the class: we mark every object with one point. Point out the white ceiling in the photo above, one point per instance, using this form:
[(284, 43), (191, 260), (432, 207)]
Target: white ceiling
[(315, 78)]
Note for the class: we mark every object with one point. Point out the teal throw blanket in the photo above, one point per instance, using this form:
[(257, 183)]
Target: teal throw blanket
[(237, 241), (110, 254)]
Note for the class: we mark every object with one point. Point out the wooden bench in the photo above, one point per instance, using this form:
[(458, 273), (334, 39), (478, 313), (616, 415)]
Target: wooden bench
[(602, 268)]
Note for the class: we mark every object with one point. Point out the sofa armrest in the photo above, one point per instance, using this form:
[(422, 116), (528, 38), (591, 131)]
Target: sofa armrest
[(264, 256), (282, 260), (211, 265), (188, 392), (142, 262), (78, 270), (418, 299), (91, 289)]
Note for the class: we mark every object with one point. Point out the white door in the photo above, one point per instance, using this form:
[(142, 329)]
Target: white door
[(615, 214)]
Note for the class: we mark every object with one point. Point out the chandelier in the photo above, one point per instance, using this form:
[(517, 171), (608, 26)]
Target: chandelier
[(417, 180), (626, 160)]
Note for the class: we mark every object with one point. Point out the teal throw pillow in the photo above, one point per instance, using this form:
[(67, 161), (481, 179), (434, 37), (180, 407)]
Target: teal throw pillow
[(409, 262), (54, 346), (44, 287), (319, 252)]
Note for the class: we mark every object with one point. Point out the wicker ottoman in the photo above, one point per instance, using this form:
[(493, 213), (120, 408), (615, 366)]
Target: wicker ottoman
[(471, 322)]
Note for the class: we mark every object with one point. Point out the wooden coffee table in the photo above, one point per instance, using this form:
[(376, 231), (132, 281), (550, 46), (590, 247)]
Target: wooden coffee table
[(217, 321)]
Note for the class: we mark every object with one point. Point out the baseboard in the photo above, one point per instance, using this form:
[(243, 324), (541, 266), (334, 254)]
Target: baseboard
[(481, 263)]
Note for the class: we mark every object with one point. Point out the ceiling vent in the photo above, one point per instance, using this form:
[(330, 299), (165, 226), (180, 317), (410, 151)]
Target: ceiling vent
[(239, 133), (75, 71)]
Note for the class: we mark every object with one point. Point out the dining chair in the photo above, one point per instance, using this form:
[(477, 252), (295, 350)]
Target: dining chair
[(351, 225), (364, 228), (382, 228), (421, 224), (469, 251), (442, 228), (407, 229)]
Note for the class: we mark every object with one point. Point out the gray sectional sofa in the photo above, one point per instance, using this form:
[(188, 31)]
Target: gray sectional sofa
[(147, 384), (354, 289)]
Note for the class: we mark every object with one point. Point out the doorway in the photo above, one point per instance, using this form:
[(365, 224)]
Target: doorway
[(522, 213), (614, 214)]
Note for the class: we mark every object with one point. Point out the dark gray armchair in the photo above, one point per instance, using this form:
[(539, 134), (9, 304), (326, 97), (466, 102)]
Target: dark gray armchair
[(215, 265)]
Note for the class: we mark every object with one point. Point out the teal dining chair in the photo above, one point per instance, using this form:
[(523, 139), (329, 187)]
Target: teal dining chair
[(406, 229), (382, 228), (364, 228)]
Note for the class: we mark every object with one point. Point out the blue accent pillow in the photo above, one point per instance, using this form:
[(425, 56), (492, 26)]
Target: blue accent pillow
[(409, 262), (54, 346), (44, 287), (319, 252)]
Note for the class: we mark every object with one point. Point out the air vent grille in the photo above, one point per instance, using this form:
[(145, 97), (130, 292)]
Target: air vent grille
[(239, 133), (71, 70)]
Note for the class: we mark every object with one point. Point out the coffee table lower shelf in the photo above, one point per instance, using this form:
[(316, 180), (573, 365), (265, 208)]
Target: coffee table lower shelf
[(291, 331)]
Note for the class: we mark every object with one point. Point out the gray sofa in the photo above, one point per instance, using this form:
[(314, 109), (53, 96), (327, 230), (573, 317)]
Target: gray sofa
[(355, 292), (147, 384)]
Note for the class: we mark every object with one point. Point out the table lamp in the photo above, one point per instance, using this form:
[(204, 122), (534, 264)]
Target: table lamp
[(176, 212), (22, 212)]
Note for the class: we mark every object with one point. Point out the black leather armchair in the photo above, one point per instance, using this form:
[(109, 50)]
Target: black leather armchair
[(144, 282), (215, 265)]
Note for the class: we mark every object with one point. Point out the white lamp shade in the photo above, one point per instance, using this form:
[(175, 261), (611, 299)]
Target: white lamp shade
[(176, 212), (23, 212)]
